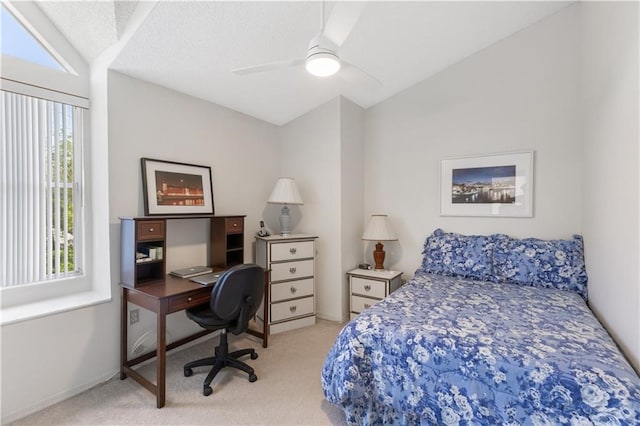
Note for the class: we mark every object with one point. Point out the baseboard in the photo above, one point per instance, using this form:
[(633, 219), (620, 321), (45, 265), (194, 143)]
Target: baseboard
[(69, 393), (54, 399)]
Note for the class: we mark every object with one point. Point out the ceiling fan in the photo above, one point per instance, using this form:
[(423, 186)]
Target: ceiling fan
[(322, 58)]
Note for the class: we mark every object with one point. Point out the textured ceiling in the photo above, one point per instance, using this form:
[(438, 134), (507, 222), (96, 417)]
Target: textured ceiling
[(192, 47)]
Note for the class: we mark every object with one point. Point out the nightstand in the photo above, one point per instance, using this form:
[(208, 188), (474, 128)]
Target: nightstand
[(368, 287)]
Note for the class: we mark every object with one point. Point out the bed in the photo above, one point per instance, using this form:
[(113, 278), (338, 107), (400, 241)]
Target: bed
[(490, 330)]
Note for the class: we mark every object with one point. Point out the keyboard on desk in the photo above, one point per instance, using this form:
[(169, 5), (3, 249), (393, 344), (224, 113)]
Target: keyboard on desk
[(207, 279)]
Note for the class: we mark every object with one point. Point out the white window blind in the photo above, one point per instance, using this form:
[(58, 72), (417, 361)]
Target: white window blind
[(41, 190)]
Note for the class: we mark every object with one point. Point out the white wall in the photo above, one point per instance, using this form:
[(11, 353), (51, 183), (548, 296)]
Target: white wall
[(146, 120), (322, 151), (521, 93), (49, 359), (610, 179), (352, 192)]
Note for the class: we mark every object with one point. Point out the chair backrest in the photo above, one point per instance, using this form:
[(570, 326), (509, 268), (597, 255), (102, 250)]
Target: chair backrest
[(237, 294)]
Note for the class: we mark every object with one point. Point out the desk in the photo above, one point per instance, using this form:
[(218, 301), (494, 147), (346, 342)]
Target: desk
[(165, 297)]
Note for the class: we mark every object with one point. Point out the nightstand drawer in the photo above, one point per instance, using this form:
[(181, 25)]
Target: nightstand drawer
[(185, 301), (366, 287), (359, 304), (291, 251), (291, 289), (291, 309), (291, 270), (150, 230)]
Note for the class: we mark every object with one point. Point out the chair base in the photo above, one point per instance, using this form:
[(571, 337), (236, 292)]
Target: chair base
[(221, 359)]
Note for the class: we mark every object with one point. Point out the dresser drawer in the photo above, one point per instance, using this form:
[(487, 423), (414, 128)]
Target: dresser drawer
[(291, 270), (291, 289), (291, 309), (367, 287), (150, 230), (185, 301), (359, 304), (233, 225), (291, 251)]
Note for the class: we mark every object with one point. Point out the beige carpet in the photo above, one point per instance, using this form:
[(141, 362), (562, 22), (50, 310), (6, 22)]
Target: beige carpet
[(288, 390)]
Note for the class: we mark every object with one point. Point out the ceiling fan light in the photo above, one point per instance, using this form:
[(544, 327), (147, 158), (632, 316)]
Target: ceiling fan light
[(323, 64)]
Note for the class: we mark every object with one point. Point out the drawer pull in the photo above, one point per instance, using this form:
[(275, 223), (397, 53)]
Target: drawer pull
[(292, 269), (293, 290), (367, 306), (293, 308), (150, 229), (293, 250), (235, 225), (189, 299), (367, 287)]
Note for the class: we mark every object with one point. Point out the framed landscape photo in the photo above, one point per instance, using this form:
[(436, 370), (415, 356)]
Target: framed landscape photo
[(172, 188), (488, 185)]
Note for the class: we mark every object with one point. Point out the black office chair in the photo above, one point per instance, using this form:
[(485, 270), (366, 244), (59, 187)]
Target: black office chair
[(235, 299)]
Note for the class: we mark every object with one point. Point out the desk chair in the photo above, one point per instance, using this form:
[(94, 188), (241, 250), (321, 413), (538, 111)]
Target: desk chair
[(235, 299)]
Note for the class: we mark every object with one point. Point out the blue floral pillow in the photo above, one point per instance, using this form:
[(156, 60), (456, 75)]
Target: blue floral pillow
[(458, 255), (541, 263)]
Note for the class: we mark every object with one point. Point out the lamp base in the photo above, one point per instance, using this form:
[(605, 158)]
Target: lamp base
[(378, 257), (285, 221)]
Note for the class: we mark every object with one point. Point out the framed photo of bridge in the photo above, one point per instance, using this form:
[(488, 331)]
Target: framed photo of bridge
[(172, 188), (498, 185)]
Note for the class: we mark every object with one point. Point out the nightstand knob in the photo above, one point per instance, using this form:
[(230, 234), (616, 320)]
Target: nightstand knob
[(292, 269), (189, 300), (150, 229), (293, 250), (292, 308), (293, 289), (367, 287)]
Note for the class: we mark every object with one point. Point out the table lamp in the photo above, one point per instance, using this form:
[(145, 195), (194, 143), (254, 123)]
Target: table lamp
[(378, 229), (285, 192)]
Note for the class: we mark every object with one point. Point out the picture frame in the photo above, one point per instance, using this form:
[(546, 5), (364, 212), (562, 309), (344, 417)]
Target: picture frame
[(495, 185), (172, 188)]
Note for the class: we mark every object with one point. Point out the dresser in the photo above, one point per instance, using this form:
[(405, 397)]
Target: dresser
[(291, 260), (368, 287)]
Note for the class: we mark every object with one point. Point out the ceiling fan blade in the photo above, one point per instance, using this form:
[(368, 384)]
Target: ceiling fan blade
[(350, 71), (269, 66), (344, 17)]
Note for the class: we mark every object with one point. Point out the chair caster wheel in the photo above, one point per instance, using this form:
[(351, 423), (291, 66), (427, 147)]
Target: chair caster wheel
[(253, 378), (207, 391), (188, 372), (254, 355)]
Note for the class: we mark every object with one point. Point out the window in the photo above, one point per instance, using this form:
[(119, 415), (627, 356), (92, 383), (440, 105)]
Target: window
[(41, 198)]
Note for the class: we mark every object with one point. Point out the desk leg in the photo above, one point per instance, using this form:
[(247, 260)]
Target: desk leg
[(123, 333), (162, 354)]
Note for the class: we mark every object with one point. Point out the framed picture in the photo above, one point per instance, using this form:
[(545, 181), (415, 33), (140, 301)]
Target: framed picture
[(172, 188), (488, 185)]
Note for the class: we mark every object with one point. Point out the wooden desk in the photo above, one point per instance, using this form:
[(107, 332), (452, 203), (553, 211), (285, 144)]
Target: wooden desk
[(165, 297)]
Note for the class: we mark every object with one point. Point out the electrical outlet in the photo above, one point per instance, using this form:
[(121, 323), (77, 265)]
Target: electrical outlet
[(134, 316)]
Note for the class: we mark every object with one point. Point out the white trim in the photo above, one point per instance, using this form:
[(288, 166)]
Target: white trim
[(42, 93)]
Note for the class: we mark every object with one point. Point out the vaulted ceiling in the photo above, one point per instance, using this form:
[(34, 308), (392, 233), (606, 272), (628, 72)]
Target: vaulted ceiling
[(193, 46)]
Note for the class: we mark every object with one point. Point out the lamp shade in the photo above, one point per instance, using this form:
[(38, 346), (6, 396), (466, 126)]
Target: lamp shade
[(379, 229), (285, 192)]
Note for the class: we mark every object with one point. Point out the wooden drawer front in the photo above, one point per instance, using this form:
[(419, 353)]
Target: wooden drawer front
[(150, 230), (233, 225), (366, 287), (291, 270), (291, 289), (291, 251), (359, 304), (185, 301), (291, 309)]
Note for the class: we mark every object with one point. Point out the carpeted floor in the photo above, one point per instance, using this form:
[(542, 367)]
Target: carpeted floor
[(288, 390)]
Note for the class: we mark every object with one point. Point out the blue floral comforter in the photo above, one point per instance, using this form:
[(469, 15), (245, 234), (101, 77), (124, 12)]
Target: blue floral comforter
[(444, 350)]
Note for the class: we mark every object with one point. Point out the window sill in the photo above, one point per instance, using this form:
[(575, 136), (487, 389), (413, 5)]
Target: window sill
[(29, 311)]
